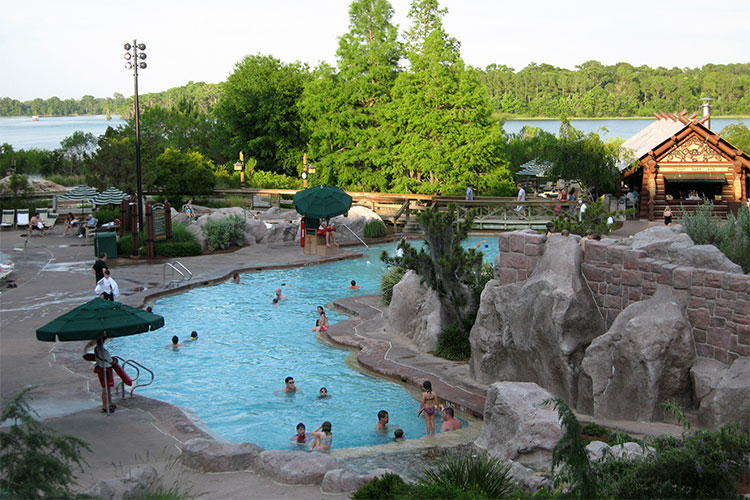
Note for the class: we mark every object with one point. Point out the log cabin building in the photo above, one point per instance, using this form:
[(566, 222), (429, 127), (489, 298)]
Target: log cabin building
[(680, 161)]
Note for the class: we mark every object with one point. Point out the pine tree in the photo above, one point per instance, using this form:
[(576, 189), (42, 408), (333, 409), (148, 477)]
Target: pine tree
[(344, 108)]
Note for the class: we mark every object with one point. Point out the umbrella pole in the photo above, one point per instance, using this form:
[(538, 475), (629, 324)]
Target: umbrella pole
[(107, 398)]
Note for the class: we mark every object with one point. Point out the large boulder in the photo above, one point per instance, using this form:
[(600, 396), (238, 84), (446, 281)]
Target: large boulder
[(672, 245), (356, 219), (641, 362), (518, 425), (295, 467), (705, 375), (341, 481), (281, 232), (255, 231), (730, 400), (537, 330), (415, 312), (207, 455)]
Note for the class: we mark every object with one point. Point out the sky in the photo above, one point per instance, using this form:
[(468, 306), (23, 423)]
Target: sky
[(71, 48)]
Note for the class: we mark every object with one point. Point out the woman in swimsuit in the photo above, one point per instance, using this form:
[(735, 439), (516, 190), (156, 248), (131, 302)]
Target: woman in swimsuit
[(429, 405), (322, 324), (324, 439)]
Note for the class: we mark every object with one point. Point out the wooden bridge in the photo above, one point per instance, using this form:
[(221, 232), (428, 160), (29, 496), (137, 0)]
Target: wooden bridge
[(492, 213)]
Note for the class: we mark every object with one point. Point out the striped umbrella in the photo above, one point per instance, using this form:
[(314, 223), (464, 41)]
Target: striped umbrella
[(111, 196), (80, 193)]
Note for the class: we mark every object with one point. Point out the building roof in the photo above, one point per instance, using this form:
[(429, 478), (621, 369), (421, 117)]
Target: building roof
[(534, 168), (651, 136)]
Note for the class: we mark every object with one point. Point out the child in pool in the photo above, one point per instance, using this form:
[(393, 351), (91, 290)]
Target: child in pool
[(398, 435), (429, 405), (301, 436), (323, 440)]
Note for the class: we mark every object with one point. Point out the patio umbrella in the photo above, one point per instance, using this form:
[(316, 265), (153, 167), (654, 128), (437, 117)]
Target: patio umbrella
[(110, 196), (80, 193), (321, 202), (98, 318)]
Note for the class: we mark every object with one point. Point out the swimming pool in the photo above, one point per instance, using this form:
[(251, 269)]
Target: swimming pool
[(230, 376)]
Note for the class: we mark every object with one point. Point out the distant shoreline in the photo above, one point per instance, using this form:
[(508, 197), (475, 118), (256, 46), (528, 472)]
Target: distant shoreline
[(506, 117)]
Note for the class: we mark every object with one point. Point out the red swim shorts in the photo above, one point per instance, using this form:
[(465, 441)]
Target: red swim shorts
[(110, 376)]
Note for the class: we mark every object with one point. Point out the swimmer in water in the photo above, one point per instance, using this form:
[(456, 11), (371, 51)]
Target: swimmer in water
[(301, 436), (289, 386), (279, 296), (236, 278), (175, 343), (323, 393), (193, 336), (354, 285)]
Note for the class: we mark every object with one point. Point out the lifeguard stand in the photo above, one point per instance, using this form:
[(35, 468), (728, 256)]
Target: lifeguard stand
[(315, 244)]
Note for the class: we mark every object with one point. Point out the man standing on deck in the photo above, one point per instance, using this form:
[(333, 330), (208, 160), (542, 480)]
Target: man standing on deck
[(99, 267), (469, 192), (521, 197)]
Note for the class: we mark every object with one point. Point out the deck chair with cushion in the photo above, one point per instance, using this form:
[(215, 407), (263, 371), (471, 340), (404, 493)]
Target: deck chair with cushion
[(22, 217), (9, 219), (49, 220)]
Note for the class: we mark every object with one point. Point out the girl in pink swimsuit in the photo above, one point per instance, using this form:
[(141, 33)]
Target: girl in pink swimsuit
[(429, 405)]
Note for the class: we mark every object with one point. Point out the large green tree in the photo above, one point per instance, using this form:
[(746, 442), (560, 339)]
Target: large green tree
[(177, 175), (738, 135), (442, 116), (344, 109), (258, 110)]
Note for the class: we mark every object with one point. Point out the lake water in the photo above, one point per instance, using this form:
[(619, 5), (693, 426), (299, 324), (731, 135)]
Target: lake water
[(23, 133)]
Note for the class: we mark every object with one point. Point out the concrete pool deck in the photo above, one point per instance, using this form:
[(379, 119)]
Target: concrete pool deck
[(53, 274)]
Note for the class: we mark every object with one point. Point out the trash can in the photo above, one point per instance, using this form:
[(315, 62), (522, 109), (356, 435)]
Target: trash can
[(107, 243)]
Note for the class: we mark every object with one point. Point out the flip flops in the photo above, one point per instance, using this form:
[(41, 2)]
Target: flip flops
[(111, 409)]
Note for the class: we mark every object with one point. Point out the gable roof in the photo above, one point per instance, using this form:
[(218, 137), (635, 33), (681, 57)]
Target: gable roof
[(651, 136)]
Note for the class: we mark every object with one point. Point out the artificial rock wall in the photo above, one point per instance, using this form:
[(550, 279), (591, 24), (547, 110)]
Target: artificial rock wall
[(718, 303)]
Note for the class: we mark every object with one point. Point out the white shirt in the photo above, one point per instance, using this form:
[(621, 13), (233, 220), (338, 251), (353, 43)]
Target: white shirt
[(522, 194), (107, 285), (102, 357)]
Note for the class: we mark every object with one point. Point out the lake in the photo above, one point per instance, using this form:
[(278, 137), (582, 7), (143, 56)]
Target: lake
[(23, 133)]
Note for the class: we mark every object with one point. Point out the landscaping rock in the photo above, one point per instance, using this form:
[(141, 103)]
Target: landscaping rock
[(705, 375), (730, 400), (415, 312), (207, 455), (356, 220), (518, 425), (255, 231), (281, 232), (641, 362), (526, 478), (341, 481), (599, 451), (537, 330), (671, 245), (135, 484), (295, 467)]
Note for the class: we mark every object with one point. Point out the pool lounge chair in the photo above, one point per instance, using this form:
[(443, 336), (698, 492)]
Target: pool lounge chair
[(49, 220), (9, 219), (22, 217)]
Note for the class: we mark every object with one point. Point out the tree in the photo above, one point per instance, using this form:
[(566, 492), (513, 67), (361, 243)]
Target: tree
[(113, 163), (738, 135), (258, 110), (441, 114), (77, 148), (344, 110), (177, 174)]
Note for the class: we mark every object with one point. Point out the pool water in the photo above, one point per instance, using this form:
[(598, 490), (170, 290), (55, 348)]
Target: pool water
[(247, 346)]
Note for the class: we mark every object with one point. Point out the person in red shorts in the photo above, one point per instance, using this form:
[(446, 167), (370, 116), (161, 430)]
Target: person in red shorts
[(329, 231), (104, 362)]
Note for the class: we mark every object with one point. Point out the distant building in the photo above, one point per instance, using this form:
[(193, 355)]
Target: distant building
[(680, 161)]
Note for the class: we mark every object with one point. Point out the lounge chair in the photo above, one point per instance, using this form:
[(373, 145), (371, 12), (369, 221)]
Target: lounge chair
[(50, 220), (9, 219), (22, 217)]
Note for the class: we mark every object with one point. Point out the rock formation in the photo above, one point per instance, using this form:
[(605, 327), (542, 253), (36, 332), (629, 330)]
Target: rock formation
[(518, 425), (537, 330), (415, 312), (641, 362), (729, 401)]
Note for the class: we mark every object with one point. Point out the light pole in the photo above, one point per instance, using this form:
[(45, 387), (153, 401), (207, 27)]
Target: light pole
[(135, 52)]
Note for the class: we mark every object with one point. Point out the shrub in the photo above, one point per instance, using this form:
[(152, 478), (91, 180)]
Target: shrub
[(177, 249), (67, 180), (466, 475), (107, 213), (375, 229), (453, 342), (731, 237), (593, 429), (390, 279), (34, 460), (701, 225), (382, 488), (224, 233), (124, 244), (181, 234), (594, 218), (272, 180)]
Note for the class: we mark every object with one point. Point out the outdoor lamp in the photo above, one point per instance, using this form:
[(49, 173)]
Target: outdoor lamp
[(136, 54)]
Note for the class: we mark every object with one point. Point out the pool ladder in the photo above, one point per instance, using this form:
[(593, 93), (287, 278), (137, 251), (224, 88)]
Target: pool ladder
[(136, 380), (175, 270)]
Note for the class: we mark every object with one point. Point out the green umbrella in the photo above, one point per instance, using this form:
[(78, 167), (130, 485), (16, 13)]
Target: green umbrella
[(321, 202), (98, 318)]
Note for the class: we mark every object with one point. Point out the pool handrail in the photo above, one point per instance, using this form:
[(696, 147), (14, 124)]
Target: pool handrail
[(355, 235), (180, 264), (137, 366)]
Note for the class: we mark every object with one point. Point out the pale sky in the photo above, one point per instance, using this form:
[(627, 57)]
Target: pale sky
[(69, 48)]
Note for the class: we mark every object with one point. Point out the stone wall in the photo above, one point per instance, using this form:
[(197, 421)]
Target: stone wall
[(718, 303)]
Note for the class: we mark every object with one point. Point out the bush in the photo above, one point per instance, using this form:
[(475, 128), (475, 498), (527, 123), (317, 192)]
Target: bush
[(272, 180), (107, 213), (466, 475), (731, 237), (382, 488), (124, 244), (222, 234), (35, 461), (701, 225), (594, 218), (390, 279), (67, 180), (180, 233), (453, 342), (375, 229), (177, 249)]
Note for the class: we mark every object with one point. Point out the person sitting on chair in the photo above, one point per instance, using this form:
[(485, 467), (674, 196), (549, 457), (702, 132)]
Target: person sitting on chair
[(89, 226), (36, 224), (70, 223), (329, 231)]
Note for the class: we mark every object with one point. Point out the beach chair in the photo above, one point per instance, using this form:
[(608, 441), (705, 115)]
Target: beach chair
[(22, 217), (50, 220), (9, 219)]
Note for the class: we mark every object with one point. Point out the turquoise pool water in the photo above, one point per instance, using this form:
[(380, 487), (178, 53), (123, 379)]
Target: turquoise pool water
[(246, 346)]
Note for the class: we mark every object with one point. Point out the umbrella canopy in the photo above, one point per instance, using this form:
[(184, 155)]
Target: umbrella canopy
[(79, 193), (111, 196), (97, 318), (321, 202)]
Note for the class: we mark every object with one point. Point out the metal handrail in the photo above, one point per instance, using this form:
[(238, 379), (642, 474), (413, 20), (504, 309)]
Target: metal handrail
[(137, 366), (178, 263), (174, 270), (355, 235)]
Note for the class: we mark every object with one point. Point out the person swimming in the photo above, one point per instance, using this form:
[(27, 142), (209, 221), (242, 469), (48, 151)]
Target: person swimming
[(301, 436), (323, 393), (175, 343), (193, 336), (354, 285)]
